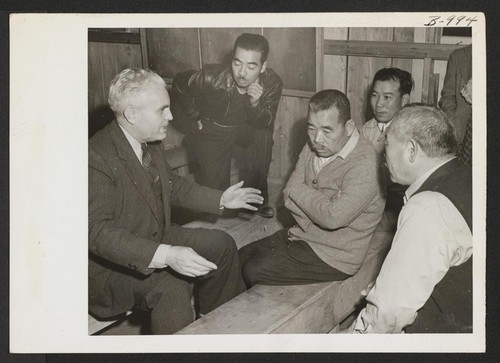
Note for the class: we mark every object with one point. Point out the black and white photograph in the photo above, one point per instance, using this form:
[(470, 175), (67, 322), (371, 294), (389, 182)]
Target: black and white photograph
[(238, 184)]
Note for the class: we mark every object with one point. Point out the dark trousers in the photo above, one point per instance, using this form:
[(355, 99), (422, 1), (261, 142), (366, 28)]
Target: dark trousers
[(167, 294), (210, 151), (256, 147), (275, 260)]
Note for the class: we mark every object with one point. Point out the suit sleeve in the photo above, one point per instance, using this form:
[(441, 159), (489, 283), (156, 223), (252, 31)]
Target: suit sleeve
[(107, 238), (188, 194), (264, 113), (448, 102)]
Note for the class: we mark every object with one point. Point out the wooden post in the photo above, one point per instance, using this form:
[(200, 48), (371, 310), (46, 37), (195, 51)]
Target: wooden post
[(426, 79), (144, 48), (319, 58)]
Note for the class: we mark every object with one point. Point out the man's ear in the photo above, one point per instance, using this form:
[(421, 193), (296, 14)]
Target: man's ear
[(264, 66), (129, 114), (350, 126), (405, 99), (413, 149)]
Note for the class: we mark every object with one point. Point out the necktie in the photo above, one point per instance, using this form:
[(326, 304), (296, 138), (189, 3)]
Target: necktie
[(381, 126), (149, 165)]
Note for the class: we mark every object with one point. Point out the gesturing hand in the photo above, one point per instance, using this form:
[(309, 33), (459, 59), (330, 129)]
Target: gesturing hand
[(255, 91), (236, 197), (187, 262)]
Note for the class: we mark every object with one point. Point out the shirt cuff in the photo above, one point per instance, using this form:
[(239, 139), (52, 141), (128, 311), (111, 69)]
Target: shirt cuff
[(160, 257)]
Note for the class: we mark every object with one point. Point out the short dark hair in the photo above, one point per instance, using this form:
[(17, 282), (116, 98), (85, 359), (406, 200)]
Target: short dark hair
[(405, 79), (330, 98), (254, 42), (428, 126)]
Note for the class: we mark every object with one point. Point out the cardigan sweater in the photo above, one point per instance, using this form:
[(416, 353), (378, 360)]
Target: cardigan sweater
[(337, 209)]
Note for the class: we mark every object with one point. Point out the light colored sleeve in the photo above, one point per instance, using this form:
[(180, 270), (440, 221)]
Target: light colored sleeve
[(160, 257), (297, 178), (359, 187), (424, 248)]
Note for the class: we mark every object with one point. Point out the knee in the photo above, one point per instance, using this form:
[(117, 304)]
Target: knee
[(252, 272), (224, 242)]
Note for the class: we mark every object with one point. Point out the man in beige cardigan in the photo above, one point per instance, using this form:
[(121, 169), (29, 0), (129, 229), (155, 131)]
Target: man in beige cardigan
[(334, 196)]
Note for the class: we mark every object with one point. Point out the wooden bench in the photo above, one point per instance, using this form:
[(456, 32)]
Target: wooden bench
[(314, 308), (97, 326)]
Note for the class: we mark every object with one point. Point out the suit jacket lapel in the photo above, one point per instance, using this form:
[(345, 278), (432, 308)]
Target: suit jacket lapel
[(133, 166), (165, 178)]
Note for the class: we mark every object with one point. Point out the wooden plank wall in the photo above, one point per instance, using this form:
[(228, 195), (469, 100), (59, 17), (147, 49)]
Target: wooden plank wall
[(174, 50), (105, 60), (353, 74)]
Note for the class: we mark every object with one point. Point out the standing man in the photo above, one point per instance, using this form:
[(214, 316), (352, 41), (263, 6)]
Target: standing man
[(454, 105), (425, 284), (391, 89), (215, 104), (335, 198), (136, 258)]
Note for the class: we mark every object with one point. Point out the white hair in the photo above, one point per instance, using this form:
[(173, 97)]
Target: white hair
[(127, 84)]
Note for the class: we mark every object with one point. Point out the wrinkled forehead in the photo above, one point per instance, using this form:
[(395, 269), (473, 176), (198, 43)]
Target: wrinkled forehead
[(324, 118)]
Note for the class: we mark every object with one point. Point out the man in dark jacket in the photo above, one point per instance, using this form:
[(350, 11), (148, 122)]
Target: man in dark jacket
[(219, 106), (137, 259)]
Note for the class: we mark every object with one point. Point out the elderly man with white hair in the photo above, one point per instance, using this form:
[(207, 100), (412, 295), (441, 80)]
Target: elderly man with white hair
[(137, 259), (425, 284)]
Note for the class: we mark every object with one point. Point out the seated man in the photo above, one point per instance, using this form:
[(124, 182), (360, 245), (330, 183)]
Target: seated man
[(425, 284), (335, 198), (391, 89), (137, 258)]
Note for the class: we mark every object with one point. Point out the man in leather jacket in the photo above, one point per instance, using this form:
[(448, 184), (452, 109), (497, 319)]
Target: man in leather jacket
[(219, 106)]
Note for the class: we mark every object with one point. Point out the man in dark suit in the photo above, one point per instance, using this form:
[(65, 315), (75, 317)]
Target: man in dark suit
[(137, 258), (454, 105)]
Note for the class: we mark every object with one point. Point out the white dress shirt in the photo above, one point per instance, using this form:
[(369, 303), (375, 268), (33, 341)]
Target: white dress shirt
[(431, 237)]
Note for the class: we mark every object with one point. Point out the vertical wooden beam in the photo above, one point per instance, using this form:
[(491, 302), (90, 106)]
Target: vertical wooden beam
[(320, 66), (406, 35), (199, 49), (144, 48), (335, 66), (426, 79)]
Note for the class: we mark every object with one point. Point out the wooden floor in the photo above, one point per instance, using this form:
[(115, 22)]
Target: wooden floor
[(245, 227)]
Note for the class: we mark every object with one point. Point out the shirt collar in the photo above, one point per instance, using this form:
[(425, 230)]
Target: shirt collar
[(386, 125), (136, 145), (349, 145), (418, 183)]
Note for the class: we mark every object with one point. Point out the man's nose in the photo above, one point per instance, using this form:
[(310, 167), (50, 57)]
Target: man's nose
[(243, 71), (317, 136), (168, 115), (380, 103)]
